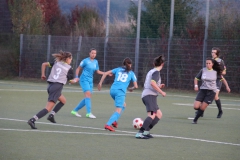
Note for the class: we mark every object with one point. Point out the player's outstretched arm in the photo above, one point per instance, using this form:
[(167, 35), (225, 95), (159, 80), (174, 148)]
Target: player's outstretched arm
[(102, 79)]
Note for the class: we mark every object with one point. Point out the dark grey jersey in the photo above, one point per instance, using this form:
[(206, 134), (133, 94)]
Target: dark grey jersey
[(152, 75), (221, 63), (61, 72), (208, 78)]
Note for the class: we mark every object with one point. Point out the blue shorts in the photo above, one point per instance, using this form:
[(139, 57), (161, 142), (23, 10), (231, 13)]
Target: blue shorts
[(118, 96), (86, 86)]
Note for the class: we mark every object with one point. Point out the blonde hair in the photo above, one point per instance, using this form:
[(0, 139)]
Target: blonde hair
[(62, 56)]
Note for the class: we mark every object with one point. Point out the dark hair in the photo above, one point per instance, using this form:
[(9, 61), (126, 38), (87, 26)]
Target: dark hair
[(92, 49), (158, 61), (62, 56), (218, 51), (126, 62), (216, 66)]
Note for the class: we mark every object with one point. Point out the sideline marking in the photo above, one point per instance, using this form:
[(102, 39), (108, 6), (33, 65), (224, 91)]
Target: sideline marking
[(128, 133), (188, 104), (64, 90)]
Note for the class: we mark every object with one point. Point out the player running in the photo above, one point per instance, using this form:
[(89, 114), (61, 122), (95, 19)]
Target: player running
[(220, 79), (123, 76), (61, 72), (89, 66), (208, 89), (152, 87)]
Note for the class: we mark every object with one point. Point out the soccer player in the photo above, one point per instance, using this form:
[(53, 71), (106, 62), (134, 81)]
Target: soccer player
[(123, 76), (61, 72), (220, 79), (88, 66), (152, 87), (208, 89)]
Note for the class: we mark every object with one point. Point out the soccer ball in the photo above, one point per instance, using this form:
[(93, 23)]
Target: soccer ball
[(137, 123)]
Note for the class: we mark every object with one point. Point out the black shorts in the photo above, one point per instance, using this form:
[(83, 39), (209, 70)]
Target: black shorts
[(205, 95), (219, 84), (150, 101), (54, 91)]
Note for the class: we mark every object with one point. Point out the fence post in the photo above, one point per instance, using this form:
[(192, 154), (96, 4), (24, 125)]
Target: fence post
[(107, 35), (205, 34), (78, 51), (170, 38), (20, 57), (137, 38), (48, 50)]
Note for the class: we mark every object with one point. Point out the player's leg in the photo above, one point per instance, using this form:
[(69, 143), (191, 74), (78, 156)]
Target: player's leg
[(62, 101), (119, 99), (150, 102), (208, 98), (219, 105), (200, 112), (198, 101), (88, 94), (54, 92), (217, 99), (158, 116), (41, 114), (81, 104)]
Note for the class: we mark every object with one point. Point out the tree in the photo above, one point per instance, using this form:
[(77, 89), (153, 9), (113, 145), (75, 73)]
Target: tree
[(86, 22), (155, 17), (55, 22), (224, 20), (26, 17)]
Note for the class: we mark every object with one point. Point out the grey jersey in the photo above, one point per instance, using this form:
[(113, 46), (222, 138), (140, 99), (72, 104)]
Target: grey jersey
[(152, 75), (61, 72), (208, 78)]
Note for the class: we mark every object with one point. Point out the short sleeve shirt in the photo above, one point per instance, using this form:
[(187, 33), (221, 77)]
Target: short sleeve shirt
[(89, 67), (152, 75), (122, 78)]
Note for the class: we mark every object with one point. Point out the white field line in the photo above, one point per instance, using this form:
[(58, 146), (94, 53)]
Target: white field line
[(45, 90), (193, 97), (191, 104), (94, 90), (127, 133)]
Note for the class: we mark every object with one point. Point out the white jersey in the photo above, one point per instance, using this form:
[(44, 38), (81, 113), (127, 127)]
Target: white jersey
[(152, 75), (60, 72)]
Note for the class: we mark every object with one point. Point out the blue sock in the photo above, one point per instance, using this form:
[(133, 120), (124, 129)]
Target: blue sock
[(113, 118), (80, 105), (123, 108), (88, 105)]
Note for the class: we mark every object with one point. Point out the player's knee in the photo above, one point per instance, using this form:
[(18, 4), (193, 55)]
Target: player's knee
[(159, 114)]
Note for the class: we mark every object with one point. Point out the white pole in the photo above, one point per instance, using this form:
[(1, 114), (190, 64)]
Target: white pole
[(206, 33), (20, 57), (170, 37), (107, 34), (137, 38)]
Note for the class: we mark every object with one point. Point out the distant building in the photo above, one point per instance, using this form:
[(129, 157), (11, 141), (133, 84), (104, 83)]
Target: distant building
[(5, 18)]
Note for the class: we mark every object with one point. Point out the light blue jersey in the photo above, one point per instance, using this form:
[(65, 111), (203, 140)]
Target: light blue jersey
[(89, 67), (122, 79)]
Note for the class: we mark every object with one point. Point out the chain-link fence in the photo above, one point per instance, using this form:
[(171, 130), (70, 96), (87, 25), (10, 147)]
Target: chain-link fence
[(185, 59), (188, 30)]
